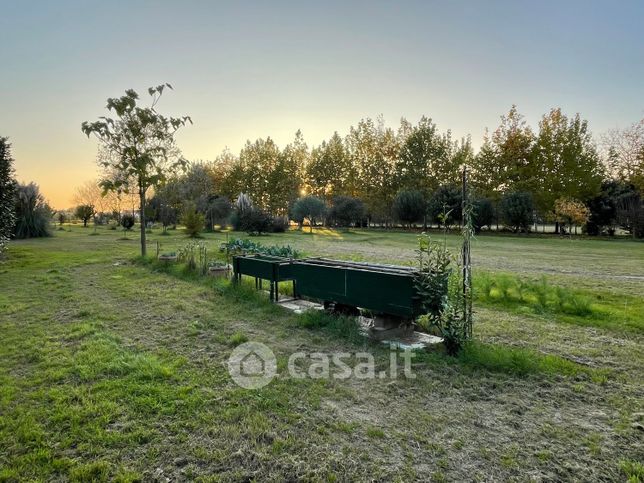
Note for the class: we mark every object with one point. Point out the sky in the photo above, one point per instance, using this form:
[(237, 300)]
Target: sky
[(244, 70)]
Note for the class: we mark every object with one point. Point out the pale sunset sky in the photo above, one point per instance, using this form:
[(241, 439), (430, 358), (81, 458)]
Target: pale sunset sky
[(244, 70)]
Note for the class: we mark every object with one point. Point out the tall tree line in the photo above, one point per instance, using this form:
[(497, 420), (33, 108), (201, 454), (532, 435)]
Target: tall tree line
[(374, 162), (530, 171)]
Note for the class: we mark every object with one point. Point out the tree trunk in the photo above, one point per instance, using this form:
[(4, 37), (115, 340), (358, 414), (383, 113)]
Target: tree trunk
[(142, 219)]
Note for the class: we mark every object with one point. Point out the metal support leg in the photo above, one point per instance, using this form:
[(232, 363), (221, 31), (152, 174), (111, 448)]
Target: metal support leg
[(272, 291)]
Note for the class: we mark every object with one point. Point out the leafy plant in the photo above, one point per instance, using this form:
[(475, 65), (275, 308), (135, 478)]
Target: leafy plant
[(434, 269), (239, 245), (194, 255)]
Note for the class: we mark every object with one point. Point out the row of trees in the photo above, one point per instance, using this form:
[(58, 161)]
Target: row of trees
[(557, 166), (374, 163)]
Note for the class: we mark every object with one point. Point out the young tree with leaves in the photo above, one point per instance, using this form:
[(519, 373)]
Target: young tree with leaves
[(310, 208), (84, 213), (7, 191), (141, 143), (347, 210), (571, 212)]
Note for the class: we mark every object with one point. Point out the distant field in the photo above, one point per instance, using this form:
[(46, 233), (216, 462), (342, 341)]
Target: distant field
[(114, 368)]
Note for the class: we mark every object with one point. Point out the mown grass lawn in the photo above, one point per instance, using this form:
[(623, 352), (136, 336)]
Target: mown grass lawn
[(115, 368)]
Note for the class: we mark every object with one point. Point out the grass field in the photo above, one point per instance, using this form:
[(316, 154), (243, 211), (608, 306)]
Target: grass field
[(114, 368)]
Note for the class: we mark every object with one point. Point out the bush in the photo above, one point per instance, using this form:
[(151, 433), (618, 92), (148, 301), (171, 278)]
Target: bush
[(280, 224), (347, 210), (445, 205), (32, 213), (309, 208), (603, 207), (127, 222), (517, 211), (192, 220), (253, 221), (483, 214), (409, 206)]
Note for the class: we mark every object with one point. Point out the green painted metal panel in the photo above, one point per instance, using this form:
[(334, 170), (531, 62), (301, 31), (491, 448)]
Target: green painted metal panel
[(386, 290)]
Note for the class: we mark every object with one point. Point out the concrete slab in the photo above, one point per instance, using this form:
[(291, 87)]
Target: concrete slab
[(410, 340), (298, 305)]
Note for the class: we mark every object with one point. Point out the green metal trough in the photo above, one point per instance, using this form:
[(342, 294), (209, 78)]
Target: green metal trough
[(381, 289), (264, 267)]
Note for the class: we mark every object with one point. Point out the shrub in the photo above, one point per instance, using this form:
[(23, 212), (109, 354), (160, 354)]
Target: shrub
[(603, 207), (32, 212), (127, 222), (253, 221), (483, 214), (445, 205), (192, 220), (280, 224), (309, 208), (409, 206), (517, 211), (347, 210)]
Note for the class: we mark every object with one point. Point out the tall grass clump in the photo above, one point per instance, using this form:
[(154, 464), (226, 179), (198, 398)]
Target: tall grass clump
[(32, 214), (540, 296)]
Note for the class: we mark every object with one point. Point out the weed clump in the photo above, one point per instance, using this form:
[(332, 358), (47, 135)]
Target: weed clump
[(539, 296)]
